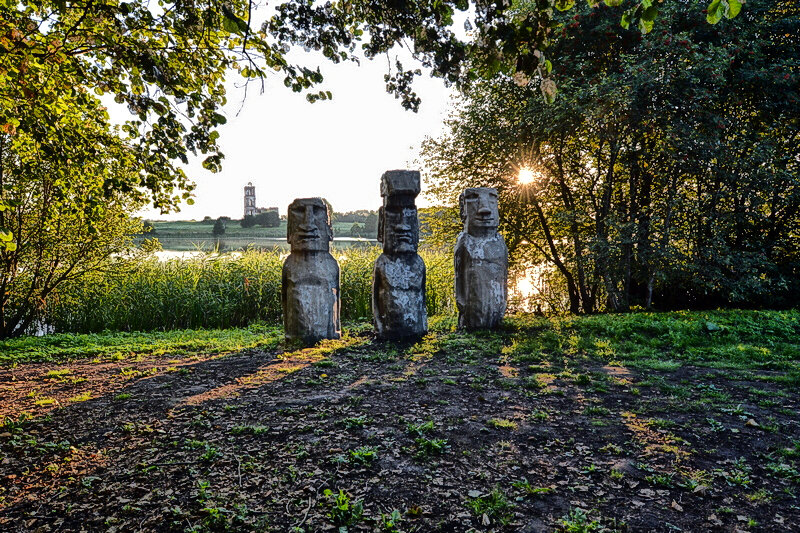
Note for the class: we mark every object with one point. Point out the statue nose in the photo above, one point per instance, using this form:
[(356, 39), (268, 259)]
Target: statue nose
[(484, 211), (402, 227)]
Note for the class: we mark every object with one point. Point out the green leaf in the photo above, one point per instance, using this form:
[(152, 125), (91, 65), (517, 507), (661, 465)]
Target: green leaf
[(613, 3), (5, 235), (564, 5), (645, 26), (626, 20), (734, 7), (232, 23), (650, 14), (714, 14), (548, 66)]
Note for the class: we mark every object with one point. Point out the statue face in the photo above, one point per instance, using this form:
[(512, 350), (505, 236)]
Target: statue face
[(400, 229), (309, 227), (479, 210)]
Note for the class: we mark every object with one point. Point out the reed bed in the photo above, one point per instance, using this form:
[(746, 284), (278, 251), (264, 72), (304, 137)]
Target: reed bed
[(217, 291)]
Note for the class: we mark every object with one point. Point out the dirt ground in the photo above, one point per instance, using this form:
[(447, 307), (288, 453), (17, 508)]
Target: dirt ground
[(455, 433)]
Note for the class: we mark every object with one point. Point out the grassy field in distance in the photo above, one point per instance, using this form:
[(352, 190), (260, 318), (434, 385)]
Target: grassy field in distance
[(200, 229)]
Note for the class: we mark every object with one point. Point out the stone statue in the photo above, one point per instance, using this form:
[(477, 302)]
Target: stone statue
[(398, 281), (310, 282), (481, 262)]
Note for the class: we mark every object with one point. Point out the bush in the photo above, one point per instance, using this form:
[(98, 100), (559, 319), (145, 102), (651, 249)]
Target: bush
[(219, 227)]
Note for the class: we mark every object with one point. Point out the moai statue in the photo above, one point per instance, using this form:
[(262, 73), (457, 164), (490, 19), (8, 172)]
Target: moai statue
[(310, 281), (398, 281), (481, 262)]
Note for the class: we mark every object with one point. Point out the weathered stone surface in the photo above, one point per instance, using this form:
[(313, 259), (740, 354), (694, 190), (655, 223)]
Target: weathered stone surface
[(398, 283), (310, 282), (481, 262)]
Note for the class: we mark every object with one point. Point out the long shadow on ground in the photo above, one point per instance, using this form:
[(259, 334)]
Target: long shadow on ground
[(458, 432)]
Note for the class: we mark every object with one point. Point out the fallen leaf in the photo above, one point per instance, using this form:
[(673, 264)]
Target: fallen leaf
[(675, 505)]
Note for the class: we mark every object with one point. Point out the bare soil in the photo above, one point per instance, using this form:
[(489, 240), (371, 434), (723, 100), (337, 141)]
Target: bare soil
[(536, 442)]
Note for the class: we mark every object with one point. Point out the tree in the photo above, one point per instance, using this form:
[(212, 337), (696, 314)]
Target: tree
[(667, 171), (65, 215), (272, 219), (219, 228), (248, 221), (371, 226), (167, 65), (356, 230)]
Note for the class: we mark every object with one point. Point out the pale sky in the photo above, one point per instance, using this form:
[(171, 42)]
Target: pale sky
[(335, 149)]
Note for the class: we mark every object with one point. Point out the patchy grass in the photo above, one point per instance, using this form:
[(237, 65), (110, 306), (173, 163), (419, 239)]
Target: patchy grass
[(640, 422), (65, 347)]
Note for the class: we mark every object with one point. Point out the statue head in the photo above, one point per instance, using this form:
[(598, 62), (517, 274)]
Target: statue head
[(309, 225), (479, 211), (398, 226), (398, 229)]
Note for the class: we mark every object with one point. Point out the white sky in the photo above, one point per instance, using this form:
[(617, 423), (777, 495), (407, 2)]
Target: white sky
[(336, 149)]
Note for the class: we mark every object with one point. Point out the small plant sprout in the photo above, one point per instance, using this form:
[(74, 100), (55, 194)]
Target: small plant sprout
[(364, 455), (501, 423), (342, 511)]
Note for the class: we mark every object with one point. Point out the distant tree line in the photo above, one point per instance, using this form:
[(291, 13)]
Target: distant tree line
[(269, 219)]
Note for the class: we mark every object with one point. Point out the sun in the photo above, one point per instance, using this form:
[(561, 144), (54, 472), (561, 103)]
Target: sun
[(526, 175)]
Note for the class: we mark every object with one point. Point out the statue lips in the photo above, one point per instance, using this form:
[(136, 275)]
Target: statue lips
[(405, 236), (485, 217), (309, 233)]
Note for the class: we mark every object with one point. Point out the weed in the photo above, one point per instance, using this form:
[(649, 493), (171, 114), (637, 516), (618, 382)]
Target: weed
[(760, 496), (501, 423), (539, 415), (355, 422), (529, 490), (494, 506), (715, 425), (612, 449), (364, 455), (249, 430), (420, 429), (342, 511), (428, 447), (596, 410), (578, 521), (661, 480), (389, 523)]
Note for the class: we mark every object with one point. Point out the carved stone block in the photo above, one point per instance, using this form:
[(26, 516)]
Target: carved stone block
[(310, 281), (398, 283), (481, 262)]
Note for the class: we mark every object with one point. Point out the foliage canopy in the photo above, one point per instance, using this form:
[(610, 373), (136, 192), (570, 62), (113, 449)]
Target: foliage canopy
[(667, 172)]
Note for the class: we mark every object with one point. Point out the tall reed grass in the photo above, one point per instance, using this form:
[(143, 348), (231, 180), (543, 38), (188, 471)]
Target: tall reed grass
[(217, 291)]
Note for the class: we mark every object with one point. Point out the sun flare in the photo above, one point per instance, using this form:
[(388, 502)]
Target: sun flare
[(526, 176)]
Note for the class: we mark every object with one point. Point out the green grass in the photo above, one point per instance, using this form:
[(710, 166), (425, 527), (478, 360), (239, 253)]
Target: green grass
[(120, 345), (198, 229), (721, 339), (636, 340)]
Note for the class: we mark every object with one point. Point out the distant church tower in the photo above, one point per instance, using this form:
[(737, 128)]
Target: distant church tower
[(249, 199)]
